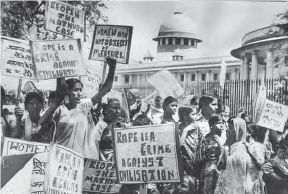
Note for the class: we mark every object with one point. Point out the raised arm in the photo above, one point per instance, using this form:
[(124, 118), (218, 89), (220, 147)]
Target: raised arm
[(107, 86)]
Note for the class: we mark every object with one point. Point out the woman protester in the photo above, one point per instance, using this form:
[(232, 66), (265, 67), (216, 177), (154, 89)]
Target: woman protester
[(74, 123), (192, 100), (211, 152), (236, 177), (155, 110), (170, 105), (276, 170)]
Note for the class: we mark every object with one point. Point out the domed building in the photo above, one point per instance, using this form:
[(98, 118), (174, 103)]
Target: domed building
[(177, 46)]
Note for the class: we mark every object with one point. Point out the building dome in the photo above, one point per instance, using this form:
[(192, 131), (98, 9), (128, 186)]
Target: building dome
[(178, 26), (178, 31)]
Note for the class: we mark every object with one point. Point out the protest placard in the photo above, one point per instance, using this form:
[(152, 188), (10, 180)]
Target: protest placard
[(113, 41), (16, 147), (151, 154), (16, 60), (39, 162), (259, 102), (273, 116), (90, 82), (64, 171), (100, 176), (30, 87), (64, 19), (58, 58), (165, 83)]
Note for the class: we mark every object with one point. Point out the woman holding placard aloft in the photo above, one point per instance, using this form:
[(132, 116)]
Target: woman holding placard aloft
[(74, 123)]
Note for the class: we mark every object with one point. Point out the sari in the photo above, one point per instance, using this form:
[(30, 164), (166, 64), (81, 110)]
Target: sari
[(236, 179)]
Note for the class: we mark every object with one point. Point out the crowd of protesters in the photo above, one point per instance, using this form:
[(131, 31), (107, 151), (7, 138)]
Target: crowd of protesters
[(221, 153)]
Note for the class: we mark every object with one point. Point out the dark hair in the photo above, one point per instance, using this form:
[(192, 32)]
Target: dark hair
[(214, 119), (32, 95), (193, 99), (168, 101), (183, 111), (221, 107), (206, 99), (52, 95), (2, 91), (71, 83), (111, 100)]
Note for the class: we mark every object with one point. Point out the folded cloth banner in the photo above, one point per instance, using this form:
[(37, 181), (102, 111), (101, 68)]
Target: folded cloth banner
[(58, 58), (13, 146), (16, 60), (100, 176), (273, 116), (166, 84), (64, 171), (64, 19)]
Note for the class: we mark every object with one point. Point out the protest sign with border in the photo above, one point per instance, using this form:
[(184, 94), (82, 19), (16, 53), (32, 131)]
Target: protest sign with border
[(16, 58), (273, 116), (166, 84), (100, 176), (64, 19), (13, 146), (30, 87), (151, 154), (113, 41), (57, 58), (64, 171)]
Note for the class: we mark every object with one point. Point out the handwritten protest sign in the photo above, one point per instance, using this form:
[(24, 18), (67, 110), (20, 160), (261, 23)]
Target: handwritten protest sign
[(273, 116), (16, 147), (58, 58), (150, 154), (100, 176), (30, 87), (64, 19), (166, 84), (90, 82), (39, 162), (261, 97), (65, 171), (113, 41), (16, 58)]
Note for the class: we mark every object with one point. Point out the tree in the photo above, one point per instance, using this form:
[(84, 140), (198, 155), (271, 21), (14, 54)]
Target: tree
[(19, 17)]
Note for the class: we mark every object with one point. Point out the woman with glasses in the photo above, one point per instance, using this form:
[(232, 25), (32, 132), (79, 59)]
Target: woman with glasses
[(236, 177)]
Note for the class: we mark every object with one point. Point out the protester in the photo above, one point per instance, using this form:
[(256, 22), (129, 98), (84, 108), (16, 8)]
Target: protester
[(211, 152), (155, 111), (170, 105), (276, 170), (192, 100), (236, 177), (73, 120)]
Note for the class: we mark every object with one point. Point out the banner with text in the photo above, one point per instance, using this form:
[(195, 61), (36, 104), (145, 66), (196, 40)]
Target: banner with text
[(100, 176), (16, 60), (17, 146), (58, 58), (113, 41), (30, 87), (64, 19), (273, 116), (165, 83), (65, 171), (150, 154)]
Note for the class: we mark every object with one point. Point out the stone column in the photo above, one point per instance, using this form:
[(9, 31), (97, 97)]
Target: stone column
[(176, 76), (242, 67), (146, 84), (254, 67), (269, 68), (246, 67), (130, 80), (138, 80), (233, 74), (198, 77), (208, 76)]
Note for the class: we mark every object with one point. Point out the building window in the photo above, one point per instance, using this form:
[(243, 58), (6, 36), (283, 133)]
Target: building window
[(170, 41), (182, 77), (193, 42), (126, 78), (186, 41), (228, 76), (215, 76), (163, 41), (193, 77), (178, 41), (116, 78), (203, 77)]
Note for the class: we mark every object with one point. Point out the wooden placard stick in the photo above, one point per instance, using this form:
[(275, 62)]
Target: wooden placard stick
[(104, 71), (19, 92), (143, 188)]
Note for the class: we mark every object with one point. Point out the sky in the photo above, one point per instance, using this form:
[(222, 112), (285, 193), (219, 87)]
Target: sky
[(220, 24)]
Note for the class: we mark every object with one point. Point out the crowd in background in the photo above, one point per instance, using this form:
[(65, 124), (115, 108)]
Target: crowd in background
[(221, 153)]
